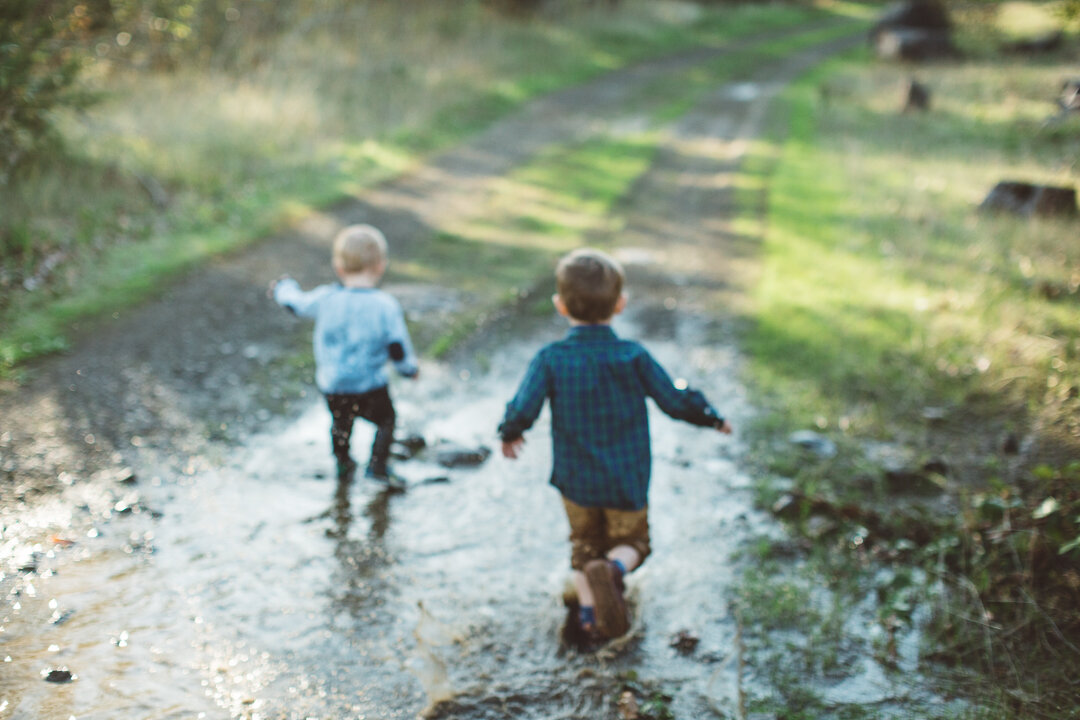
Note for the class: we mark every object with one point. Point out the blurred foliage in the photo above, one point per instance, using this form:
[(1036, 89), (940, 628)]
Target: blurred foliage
[(45, 43), (166, 34), (527, 8), (1070, 10), (38, 69), (1020, 547), (516, 7), (1012, 564)]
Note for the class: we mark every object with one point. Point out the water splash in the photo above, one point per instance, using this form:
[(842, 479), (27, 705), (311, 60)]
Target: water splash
[(426, 665)]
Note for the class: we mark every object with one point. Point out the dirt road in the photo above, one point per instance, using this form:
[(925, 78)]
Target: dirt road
[(228, 575)]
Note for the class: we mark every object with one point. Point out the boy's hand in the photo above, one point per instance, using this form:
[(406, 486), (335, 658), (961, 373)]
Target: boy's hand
[(724, 427), (511, 448), (273, 284)]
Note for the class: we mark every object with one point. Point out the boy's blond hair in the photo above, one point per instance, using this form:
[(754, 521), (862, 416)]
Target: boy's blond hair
[(359, 248), (589, 283)]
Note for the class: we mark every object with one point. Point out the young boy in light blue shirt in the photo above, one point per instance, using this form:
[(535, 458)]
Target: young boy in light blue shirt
[(358, 330)]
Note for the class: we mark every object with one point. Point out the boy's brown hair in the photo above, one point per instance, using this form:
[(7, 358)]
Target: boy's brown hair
[(358, 248), (589, 283)]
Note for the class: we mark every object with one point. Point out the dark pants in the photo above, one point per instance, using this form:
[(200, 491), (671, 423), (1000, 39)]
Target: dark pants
[(375, 407)]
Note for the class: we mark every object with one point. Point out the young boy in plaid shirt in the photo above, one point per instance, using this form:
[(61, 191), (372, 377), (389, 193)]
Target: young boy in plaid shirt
[(597, 384)]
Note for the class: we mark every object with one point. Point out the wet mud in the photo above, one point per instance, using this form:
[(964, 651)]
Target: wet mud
[(266, 588)]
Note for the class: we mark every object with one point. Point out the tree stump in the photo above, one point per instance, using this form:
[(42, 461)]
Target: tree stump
[(1028, 200), (914, 30), (1037, 45), (1069, 99), (913, 44), (917, 96), (925, 14)]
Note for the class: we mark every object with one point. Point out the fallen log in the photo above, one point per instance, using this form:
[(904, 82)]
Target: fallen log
[(1029, 200)]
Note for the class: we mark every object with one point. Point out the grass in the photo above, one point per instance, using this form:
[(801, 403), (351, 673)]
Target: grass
[(879, 265), (564, 197), (891, 313), (538, 212), (240, 154)]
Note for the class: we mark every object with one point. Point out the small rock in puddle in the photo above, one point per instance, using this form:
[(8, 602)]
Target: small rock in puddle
[(405, 448), (58, 675), (436, 479), (937, 466), (934, 414), (684, 642), (451, 455), (59, 618), (815, 443), (120, 476), (628, 706)]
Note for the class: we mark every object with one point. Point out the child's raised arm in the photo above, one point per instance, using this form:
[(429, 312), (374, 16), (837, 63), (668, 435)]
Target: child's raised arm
[(400, 347), (273, 285), (511, 449), (522, 411), (684, 404), (288, 293)]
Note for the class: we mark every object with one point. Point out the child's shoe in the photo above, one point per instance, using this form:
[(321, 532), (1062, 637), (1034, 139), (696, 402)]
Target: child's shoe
[(392, 481), (346, 468), (575, 634), (605, 580)]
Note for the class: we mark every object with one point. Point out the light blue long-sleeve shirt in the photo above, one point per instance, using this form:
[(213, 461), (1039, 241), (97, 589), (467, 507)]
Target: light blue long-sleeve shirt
[(357, 332)]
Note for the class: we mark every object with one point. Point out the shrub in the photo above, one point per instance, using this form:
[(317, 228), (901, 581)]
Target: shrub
[(39, 64)]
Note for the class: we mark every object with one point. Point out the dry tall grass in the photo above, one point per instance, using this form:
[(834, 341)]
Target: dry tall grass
[(345, 94)]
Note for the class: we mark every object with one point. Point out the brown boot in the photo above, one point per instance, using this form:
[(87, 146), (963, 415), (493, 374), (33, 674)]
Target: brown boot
[(605, 580)]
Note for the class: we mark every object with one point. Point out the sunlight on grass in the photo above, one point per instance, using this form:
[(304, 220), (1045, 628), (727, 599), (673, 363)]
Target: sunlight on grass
[(893, 312), (370, 159), (1025, 18), (571, 190), (854, 10), (560, 200), (878, 261)]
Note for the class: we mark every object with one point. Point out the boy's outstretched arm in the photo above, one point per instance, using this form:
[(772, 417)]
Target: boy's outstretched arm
[(684, 404), (522, 411), (512, 448), (287, 293), (400, 348), (271, 291)]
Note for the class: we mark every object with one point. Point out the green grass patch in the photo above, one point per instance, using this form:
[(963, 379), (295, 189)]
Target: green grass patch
[(559, 200), (564, 197), (882, 282), (891, 313)]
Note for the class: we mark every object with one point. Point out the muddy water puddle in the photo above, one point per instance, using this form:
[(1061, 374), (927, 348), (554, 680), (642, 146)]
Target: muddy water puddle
[(256, 586)]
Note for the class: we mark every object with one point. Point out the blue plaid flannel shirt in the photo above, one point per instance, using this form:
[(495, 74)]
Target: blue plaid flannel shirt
[(597, 384)]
